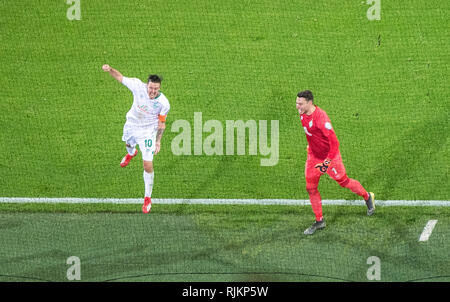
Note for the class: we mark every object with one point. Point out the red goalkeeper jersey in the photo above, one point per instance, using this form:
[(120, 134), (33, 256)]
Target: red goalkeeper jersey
[(321, 137)]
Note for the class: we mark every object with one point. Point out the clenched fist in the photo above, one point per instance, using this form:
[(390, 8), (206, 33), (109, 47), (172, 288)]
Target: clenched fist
[(106, 68)]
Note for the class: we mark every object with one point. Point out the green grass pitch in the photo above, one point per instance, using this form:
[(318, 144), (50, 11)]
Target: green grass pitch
[(384, 84), (220, 243)]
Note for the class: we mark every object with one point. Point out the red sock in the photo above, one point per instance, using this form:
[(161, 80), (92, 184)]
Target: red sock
[(357, 188), (316, 203)]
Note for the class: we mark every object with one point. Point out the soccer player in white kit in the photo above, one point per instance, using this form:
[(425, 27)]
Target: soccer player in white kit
[(146, 121)]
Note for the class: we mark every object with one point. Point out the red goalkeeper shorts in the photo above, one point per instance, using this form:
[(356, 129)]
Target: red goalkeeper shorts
[(336, 170)]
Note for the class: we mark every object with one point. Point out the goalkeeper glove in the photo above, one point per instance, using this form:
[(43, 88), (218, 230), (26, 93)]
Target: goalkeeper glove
[(323, 166)]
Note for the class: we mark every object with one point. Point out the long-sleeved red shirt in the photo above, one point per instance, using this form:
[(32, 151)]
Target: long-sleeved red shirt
[(321, 137)]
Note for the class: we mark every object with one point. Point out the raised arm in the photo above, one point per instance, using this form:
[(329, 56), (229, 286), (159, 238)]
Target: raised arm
[(113, 72)]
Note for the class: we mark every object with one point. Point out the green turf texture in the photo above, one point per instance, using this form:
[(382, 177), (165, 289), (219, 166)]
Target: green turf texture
[(220, 243), (383, 83)]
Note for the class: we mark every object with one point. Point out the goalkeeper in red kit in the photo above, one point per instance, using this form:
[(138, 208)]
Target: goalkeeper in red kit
[(324, 157)]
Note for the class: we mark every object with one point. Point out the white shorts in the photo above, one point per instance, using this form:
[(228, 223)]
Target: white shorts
[(144, 137)]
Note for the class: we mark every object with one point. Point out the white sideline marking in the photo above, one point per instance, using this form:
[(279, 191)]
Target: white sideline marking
[(442, 203), (427, 230)]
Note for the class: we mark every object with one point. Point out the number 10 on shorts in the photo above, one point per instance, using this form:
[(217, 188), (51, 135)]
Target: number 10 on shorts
[(148, 143)]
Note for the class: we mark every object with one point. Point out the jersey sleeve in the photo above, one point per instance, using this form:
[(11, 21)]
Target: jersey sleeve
[(164, 110), (328, 131), (132, 83)]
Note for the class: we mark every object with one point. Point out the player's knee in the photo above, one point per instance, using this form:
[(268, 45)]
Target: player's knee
[(311, 189), (343, 181), (311, 185), (312, 192), (148, 166)]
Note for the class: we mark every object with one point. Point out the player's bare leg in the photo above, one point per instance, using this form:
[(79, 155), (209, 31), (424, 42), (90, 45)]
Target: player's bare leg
[(148, 180)]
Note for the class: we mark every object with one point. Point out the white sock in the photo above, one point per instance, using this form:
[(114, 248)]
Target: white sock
[(148, 180), (131, 150)]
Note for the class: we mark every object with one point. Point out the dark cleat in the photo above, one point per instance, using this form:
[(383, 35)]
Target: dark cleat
[(370, 203), (316, 226)]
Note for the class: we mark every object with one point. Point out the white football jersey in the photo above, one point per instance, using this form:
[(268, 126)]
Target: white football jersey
[(145, 112)]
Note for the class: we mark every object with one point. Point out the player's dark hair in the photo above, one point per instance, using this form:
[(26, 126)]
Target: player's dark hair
[(154, 78), (307, 94)]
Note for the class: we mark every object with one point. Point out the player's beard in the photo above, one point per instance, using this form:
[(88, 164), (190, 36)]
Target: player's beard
[(153, 96)]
